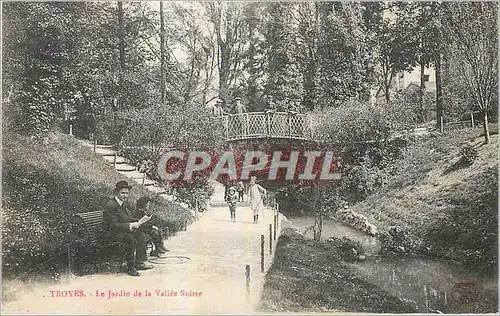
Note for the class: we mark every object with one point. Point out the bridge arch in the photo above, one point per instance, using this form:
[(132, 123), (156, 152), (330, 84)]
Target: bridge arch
[(264, 125)]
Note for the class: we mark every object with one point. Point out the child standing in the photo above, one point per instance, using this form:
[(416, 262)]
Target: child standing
[(241, 189), (232, 198)]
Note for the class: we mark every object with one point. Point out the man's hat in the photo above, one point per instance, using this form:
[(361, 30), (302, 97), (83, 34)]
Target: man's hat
[(219, 101), (122, 185), (237, 98), (232, 189)]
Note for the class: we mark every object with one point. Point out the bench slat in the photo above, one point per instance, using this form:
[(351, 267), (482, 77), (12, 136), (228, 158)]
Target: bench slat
[(93, 222), (91, 214)]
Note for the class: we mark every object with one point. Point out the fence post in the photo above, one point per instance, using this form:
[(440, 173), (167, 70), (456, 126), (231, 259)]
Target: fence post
[(270, 239), (275, 222), (472, 119), (95, 145), (226, 126), (71, 129), (247, 278), (168, 232), (247, 124), (268, 118), (143, 178), (261, 253), (441, 124), (277, 215), (289, 125), (114, 160)]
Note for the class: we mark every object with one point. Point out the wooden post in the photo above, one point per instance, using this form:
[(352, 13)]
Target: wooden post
[(143, 178), (472, 119), (247, 273), (71, 129), (114, 160), (185, 226), (270, 238), (289, 125), (168, 232), (277, 216), (268, 124), (247, 278), (261, 253), (247, 124), (275, 222), (441, 124), (95, 145), (226, 126)]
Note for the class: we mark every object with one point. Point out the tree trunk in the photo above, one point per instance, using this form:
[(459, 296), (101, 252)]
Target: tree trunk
[(421, 115), (162, 54), (486, 127), (318, 222), (439, 91), (121, 47)]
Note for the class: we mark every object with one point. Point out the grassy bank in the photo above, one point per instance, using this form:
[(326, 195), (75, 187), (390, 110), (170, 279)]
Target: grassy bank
[(310, 277), (43, 186), (447, 208)]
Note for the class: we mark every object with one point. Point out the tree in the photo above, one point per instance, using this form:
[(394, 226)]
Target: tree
[(284, 82), (395, 47), (471, 29), (162, 53), (227, 20)]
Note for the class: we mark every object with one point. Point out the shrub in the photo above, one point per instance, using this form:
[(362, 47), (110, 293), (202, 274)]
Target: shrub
[(43, 186), (468, 154)]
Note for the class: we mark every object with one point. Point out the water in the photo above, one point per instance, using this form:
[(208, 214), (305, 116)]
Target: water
[(337, 229), (432, 285)]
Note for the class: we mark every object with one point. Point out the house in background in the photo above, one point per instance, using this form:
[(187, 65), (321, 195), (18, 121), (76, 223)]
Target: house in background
[(408, 83)]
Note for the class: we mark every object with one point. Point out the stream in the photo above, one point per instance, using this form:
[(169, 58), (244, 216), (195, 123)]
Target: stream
[(433, 285)]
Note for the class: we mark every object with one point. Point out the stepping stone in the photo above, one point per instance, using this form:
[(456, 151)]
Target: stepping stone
[(147, 182), (125, 168), (119, 160)]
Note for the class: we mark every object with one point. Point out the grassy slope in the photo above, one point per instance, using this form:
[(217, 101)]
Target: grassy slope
[(452, 211), (447, 210), (43, 185), (310, 277)]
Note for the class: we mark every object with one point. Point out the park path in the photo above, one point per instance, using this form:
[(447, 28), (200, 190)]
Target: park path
[(209, 257)]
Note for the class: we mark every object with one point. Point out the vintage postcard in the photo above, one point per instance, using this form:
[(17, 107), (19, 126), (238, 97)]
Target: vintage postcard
[(223, 157)]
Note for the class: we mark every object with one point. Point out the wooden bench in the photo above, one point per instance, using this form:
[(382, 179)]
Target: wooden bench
[(88, 244)]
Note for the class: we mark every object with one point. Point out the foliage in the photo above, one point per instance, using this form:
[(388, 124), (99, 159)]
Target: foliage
[(363, 138), (472, 31), (468, 154), (43, 186)]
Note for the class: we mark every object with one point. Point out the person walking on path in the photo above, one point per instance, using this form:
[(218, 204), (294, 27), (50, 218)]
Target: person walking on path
[(256, 201), (241, 189), (232, 198)]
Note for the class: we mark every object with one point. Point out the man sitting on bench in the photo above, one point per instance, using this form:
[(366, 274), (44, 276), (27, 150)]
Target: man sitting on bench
[(142, 209), (120, 225)]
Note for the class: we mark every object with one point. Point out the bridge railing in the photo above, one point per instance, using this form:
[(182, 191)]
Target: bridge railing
[(265, 125)]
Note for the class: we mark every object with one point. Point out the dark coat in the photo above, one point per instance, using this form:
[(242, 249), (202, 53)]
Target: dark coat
[(116, 218)]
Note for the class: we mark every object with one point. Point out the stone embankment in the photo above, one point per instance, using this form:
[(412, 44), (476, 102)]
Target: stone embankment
[(357, 221)]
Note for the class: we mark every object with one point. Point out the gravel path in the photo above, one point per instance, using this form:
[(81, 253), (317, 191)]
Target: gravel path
[(210, 258)]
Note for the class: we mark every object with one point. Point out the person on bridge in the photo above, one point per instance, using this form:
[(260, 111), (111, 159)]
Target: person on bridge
[(121, 225), (256, 201), (232, 198), (142, 209), (218, 111), (239, 108)]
